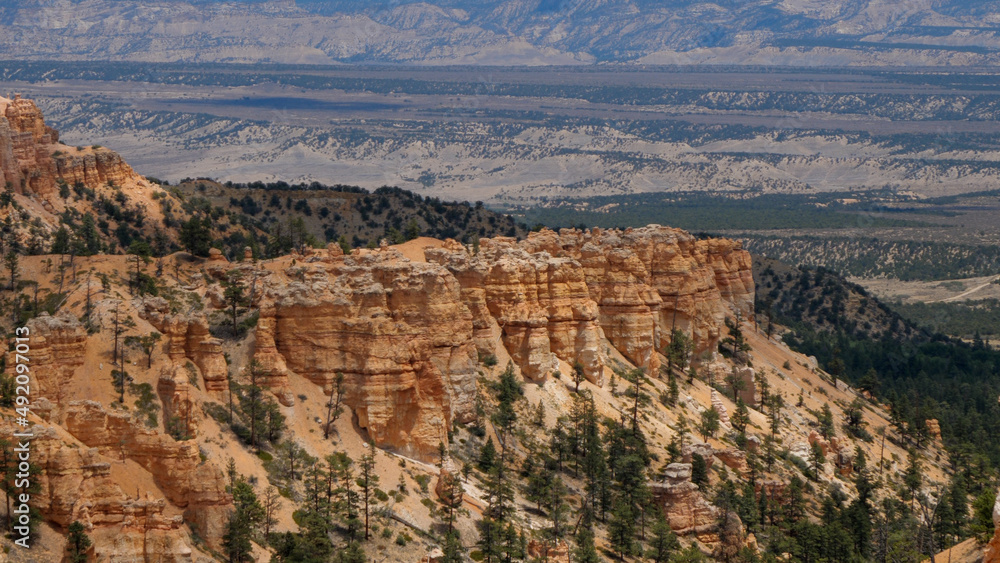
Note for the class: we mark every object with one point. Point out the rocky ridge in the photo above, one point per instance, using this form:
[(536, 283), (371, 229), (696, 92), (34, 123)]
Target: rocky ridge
[(32, 160), (406, 334), (77, 482), (503, 32)]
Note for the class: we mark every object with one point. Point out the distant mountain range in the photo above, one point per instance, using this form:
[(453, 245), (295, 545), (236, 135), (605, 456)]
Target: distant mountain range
[(766, 32)]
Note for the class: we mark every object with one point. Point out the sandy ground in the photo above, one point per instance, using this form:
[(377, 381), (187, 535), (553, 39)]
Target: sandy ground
[(966, 552), (947, 291)]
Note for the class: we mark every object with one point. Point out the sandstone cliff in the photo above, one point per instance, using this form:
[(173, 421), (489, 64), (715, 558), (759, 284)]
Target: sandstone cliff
[(76, 484), (541, 304), (57, 350), (188, 482), (405, 334), (188, 340), (396, 329), (684, 506), (555, 295), (32, 161)]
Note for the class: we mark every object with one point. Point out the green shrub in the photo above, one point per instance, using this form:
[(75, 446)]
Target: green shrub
[(422, 480)]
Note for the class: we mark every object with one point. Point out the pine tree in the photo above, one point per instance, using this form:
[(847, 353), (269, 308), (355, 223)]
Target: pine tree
[(556, 505), (334, 407), (982, 516), (664, 542), (11, 260), (368, 481), (674, 451), (673, 391), (270, 504), (452, 548), (540, 480), (60, 241), (252, 403), (77, 543), (958, 496), (90, 239), (699, 470), (677, 351), (147, 344), (621, 530), (709, 423), (490, 541), (736, 342), (637, 376), (578, 375), (913, 477), (494, 538), (138, 253), (825, 420), (869, 382), (816, 459), (242, 525), (595, 466), (774, 407), (196, 236), (741, 417), (487, 456), (586, 551), (346, 495), (451, 497), (235, 297)]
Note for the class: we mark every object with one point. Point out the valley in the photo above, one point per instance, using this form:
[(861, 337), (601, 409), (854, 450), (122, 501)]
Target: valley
[(514, 136)]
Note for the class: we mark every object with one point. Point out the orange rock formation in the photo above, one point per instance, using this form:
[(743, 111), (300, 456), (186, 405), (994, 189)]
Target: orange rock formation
[(396, 329), (190, 483), (552, 292), (33, 161), (684, 507), (57, 349), (75, 484), (405, 334), (187, 340)]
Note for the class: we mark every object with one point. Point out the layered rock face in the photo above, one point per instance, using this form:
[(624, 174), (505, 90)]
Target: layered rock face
[(396, 329), (194, 355), (33, 161), (76, 485), (555, 295), (683, 505), (541, 304), (58, 345), (178, 470), (697, 280), (93, 167), (188, 339), (25, 160), (405, 334)]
